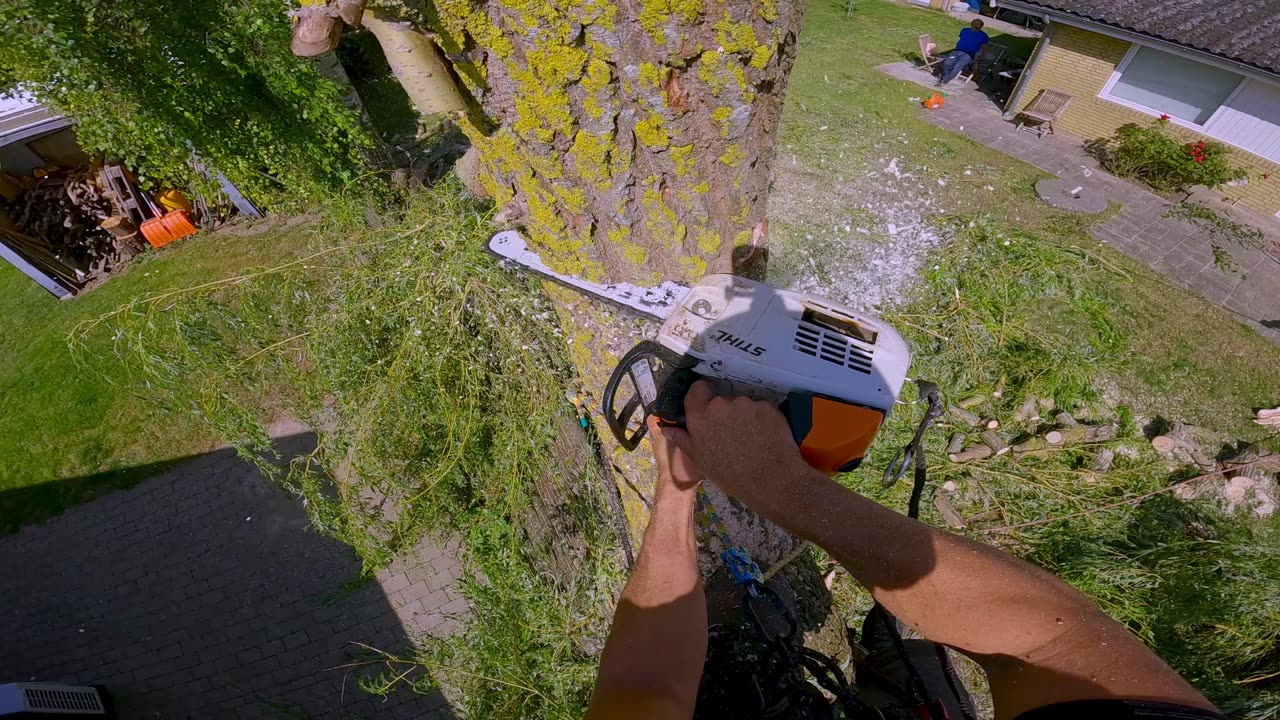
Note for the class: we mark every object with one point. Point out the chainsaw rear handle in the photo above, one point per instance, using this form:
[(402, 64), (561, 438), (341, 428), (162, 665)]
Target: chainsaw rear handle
[(832, 435)]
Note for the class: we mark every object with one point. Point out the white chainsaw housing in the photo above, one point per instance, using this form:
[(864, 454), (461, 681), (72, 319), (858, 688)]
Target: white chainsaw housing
[(758, 337)]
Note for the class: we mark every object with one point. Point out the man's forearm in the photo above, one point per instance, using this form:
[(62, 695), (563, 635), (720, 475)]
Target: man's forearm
[(659, 637), (950, 589), (1020, 622), (1040, 641)]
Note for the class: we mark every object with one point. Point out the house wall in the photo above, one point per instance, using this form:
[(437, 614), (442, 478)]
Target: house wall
[(1080, 62)]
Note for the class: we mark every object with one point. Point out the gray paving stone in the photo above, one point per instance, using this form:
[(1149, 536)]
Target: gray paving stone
[(190, 611)]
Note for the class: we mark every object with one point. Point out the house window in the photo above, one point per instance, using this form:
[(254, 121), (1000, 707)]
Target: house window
[(1160, 82)]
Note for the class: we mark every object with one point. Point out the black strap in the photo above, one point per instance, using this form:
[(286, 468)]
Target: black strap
[(913, 455), (913, 452)]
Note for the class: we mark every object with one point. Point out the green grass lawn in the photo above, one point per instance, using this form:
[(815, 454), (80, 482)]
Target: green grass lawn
[(70, 429), (1019, 297), (842, 114)]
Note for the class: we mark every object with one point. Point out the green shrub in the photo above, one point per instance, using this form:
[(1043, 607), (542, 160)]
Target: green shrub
[(148, 82), (1152, 154)]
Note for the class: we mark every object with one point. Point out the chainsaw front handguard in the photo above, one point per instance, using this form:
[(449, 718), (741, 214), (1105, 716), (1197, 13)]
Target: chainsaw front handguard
[(832, 434), (660, 378)]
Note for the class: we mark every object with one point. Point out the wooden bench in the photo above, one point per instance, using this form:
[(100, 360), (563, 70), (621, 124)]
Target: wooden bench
[(1040, 114)]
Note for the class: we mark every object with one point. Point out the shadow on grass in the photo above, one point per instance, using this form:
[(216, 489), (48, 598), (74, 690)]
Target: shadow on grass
[(38, 503)]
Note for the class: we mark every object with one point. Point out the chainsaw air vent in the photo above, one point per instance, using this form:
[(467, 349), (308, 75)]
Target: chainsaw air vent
[(826, 345)]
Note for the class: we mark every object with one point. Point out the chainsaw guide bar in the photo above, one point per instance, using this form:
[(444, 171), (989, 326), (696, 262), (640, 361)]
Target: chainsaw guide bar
[(655, 303)]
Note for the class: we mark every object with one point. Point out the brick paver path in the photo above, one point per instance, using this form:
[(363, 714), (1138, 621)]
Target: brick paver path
[(1179, 250), (202, 593)]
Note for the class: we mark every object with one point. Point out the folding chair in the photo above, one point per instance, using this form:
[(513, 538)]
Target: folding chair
[(1040, 114), (987, 58), (927, 54)]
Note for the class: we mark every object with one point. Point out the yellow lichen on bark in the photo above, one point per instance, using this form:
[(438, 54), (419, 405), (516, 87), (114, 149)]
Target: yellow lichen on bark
[(627, 142), (588, 111)]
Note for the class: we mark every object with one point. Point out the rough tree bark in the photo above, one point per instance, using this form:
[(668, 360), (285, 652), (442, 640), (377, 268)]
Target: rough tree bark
[(629, 141)]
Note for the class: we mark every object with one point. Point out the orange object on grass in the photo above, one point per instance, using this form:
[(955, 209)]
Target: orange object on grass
[(933, 102)]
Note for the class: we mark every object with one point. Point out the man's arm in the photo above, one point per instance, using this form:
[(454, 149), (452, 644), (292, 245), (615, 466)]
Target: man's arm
[(652, 662), (1040, 641)]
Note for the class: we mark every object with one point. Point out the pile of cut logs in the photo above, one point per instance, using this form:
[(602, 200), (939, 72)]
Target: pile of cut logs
[(1039, 437), (66, 223), (1245, 476)]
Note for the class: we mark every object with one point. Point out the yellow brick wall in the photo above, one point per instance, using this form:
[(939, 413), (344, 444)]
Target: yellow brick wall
[(1080, 62)]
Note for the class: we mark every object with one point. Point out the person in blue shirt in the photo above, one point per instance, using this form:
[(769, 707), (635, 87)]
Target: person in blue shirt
[(971, 41)]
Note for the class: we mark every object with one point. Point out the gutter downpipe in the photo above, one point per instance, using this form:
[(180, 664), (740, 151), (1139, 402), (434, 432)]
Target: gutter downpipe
[(1010, 108)]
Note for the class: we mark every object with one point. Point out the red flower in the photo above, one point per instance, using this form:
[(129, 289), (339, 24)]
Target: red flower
[(1164, 117)]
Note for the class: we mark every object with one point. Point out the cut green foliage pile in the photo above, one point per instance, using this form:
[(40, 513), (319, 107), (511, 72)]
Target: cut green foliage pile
[(1223, 232), (433, 379)]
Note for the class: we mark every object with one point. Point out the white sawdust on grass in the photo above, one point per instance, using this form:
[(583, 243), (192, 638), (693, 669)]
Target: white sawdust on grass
[(859, 235)]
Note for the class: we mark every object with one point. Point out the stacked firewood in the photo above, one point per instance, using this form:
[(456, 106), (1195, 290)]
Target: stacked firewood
[(65, 224)]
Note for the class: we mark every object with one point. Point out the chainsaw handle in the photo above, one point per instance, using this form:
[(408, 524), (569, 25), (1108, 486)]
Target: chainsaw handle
[(833, 435), (660, 379)]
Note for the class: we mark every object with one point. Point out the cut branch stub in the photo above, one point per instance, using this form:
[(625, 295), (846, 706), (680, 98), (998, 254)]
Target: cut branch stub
[(1080, 434), (977, 452), (948, 511), (964, 416), (993, 441), (1027, 412)]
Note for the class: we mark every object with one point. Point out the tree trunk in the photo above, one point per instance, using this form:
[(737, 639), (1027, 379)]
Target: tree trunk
[(633, 141), (416, 63), (629, 142)]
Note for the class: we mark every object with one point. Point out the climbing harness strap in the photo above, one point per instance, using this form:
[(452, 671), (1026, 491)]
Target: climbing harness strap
[(912, 454), (742, 568)]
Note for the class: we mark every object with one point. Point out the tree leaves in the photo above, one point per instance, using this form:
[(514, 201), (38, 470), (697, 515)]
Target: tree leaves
[(150, 82)]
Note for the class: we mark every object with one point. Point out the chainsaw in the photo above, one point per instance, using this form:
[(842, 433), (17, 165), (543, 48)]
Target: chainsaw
[(833, 372)]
